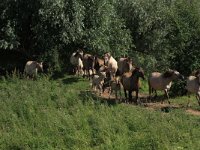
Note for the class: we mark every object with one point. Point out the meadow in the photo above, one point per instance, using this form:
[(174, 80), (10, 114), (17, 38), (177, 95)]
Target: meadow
[(62, 113)]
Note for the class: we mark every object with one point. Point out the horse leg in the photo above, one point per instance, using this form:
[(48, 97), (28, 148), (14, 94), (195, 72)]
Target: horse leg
[(83, 72), (100, 90), (116, 95), (93, 72), (198, 98), (136, 101), (150, 90), (112, 75), (79, 69), (125, 96), (188, 103), (93, 87), (110, 92), (156, 95), (103, 87), (130, 96), (76, 70), (120, 95), (166, 92), (88, 72)]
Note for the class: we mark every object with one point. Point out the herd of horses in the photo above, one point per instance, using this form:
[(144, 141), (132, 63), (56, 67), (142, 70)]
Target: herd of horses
[(107, 72)]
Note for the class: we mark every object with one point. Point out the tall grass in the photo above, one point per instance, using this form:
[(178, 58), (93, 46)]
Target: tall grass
[(64, 114)]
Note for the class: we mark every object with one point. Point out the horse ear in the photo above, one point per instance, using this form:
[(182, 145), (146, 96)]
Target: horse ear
[(76, 54), (171, 70), (137, 68), (79, 51), (108, 54), (129, 59), (196, 73)]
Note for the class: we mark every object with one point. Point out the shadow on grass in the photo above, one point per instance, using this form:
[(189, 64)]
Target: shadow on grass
[(58, 75), (159, 98), (70, 80), (156, 103), (86, 96)]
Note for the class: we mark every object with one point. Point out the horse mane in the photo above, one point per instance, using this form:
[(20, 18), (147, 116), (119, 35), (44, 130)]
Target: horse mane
[(91, 58), (168, 73), (196, 73), (77, 54), (129, 59), (135, 70), (108, 54)]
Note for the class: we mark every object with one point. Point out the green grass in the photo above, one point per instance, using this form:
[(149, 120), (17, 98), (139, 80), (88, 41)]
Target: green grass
[(63, 114)]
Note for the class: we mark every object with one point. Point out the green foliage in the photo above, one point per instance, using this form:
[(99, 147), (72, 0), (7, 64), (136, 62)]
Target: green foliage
[(147, 21), (166, 33), (45, 27), (167, 30), (105, 31), (185, 35)]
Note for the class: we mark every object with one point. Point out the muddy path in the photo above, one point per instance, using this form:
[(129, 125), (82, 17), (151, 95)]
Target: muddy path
[(155, 105)]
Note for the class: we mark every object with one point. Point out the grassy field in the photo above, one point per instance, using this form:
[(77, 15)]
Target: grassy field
[(63, 114)]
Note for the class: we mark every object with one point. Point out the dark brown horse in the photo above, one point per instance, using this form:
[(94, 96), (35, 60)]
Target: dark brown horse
[(88, 65), (130, 82)]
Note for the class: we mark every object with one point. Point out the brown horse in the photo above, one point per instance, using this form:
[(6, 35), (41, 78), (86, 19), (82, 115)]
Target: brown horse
[(130, 82), (88, 65)]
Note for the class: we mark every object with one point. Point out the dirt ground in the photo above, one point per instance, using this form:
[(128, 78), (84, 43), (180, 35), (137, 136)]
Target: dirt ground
[(165, 107)]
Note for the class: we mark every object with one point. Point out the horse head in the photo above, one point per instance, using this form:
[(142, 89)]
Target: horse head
[(138, 72)]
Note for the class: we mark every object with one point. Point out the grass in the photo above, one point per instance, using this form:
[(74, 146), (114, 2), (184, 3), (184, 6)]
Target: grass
[(64, 114)]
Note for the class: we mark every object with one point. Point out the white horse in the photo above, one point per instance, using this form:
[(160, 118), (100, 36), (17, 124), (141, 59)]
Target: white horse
[(76, 61), (162, 81), (111, 63), (32, 67), (193, 86)]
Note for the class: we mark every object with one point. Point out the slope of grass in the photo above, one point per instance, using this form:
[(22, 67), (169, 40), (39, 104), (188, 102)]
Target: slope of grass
[(63, 114)]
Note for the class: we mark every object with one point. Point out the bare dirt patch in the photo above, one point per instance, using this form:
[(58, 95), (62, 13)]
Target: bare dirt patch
[(160, 105), (165, 107), (193, 112)]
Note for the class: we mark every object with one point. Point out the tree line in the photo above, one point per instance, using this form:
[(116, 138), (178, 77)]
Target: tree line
[(156, 34)]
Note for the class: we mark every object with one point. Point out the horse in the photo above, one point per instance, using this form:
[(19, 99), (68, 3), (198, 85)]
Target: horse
[(124, 65), (76, 61), (162, 81), (111, 63), (32, 67), (193, 86), (130, 82)]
